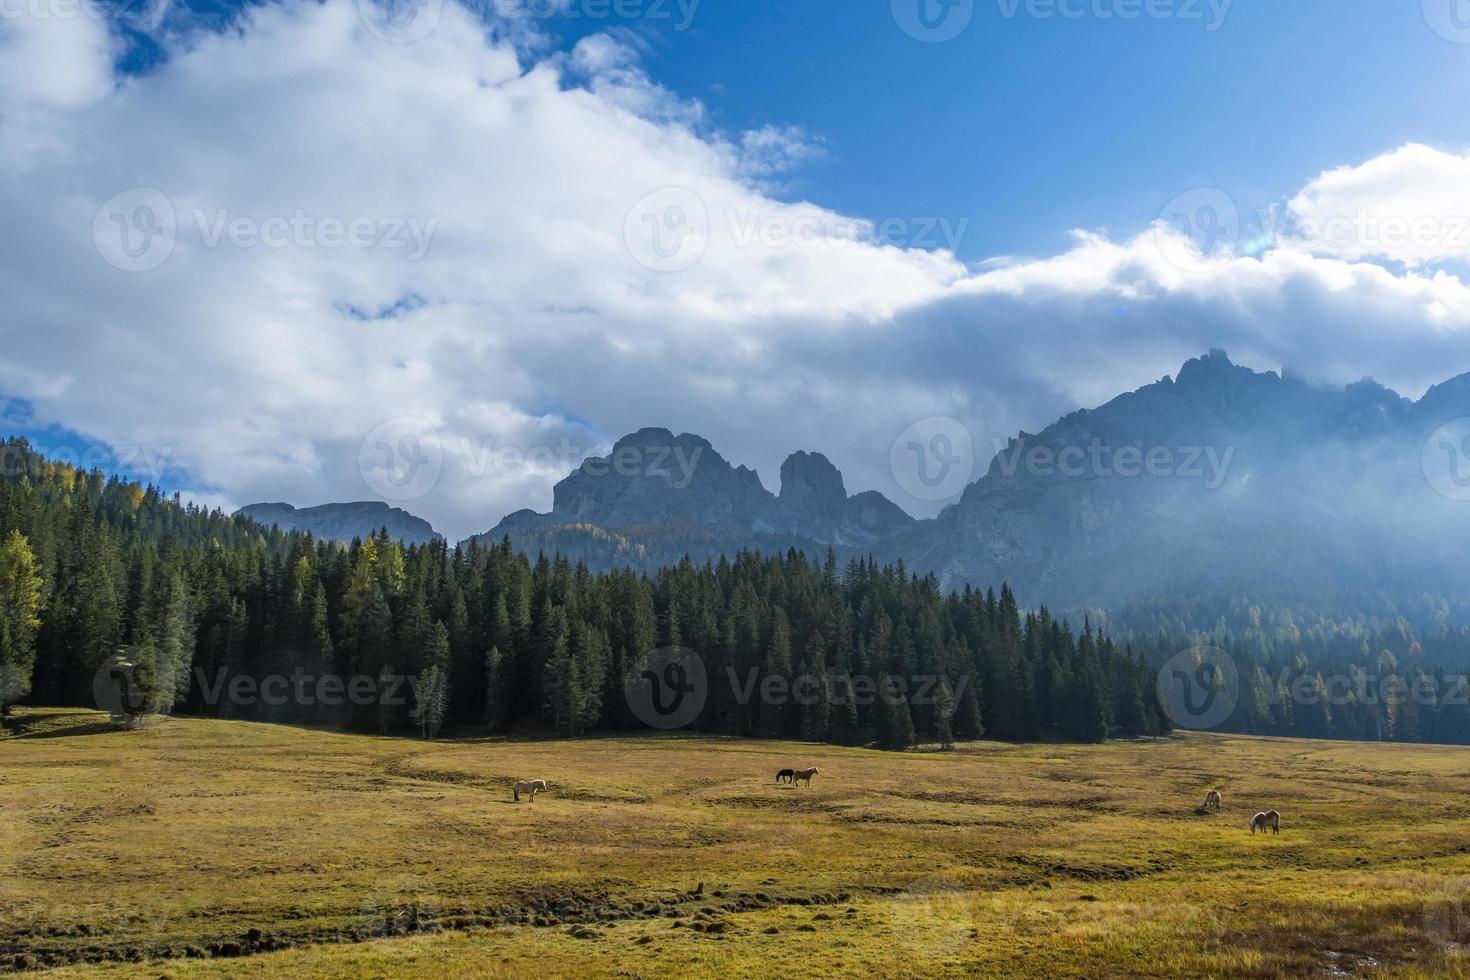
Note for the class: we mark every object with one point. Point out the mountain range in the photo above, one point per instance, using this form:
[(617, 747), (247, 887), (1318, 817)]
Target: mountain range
[(1220, 481), (343, 522)]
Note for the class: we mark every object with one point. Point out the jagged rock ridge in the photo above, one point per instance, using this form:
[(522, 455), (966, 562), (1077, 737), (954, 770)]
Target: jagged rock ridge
[(656, 491), (1219, 481), (343, 522)]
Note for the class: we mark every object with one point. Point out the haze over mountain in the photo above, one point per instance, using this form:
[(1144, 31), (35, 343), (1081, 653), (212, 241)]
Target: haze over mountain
[(1219, 485), (1219, 482), (658, 496), (343, 522)]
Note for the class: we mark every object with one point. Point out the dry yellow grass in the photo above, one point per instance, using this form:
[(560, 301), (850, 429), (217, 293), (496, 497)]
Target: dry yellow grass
[(217, 848)]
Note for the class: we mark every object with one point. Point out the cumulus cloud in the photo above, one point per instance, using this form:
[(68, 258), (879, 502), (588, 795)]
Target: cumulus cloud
[(1410, 206), (54, 55), (309, 254)]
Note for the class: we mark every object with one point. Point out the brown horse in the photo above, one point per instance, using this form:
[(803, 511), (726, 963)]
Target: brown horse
[(805, 775), (1212, 800), (786, 774), (1269, 818)]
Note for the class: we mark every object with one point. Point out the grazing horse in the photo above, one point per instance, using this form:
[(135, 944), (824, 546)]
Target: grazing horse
[(1212, 800), (805, 775), (1270, 818), (787, 775), (532, 786)]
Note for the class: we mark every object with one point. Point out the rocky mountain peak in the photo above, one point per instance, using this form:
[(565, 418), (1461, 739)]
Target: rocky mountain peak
[(653, 476), (1446, 400), (344, 521), (811, 487)]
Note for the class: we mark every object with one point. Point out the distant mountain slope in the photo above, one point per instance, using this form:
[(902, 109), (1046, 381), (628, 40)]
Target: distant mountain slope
[(343, 522), (1220, 483), (658, 496), (1223, 480)]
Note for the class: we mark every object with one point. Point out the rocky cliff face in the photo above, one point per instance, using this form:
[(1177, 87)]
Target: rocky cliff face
[(1220, 481), (343, 522), (657, 491), (815, 504), (656, 477)]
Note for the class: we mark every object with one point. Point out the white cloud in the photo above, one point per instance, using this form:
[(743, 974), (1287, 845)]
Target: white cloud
[(1410, 206), (544, 317), (53, 53)]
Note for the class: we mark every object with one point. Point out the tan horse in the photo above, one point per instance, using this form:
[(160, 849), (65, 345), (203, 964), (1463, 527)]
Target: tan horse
[(1261, 821), (1212, 800), (805, 775), (532, 786)]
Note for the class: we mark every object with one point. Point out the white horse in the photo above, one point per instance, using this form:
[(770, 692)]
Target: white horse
[(1212, 800), (1269, 818), (532, 786), (805, 775)]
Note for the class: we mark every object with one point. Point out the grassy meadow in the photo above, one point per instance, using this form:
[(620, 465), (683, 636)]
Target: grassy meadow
[(213, 848)]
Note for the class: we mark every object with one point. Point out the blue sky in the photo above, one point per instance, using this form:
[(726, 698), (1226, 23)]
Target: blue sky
[(1032, 121), (260, 355), (1029, 127)]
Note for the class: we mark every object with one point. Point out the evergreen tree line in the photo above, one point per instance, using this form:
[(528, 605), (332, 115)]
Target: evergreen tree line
[(206, 614), (203, 613), (1393, 669)]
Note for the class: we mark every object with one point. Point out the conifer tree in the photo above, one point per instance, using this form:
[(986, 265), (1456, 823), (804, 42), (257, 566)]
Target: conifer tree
[(496, 708), (771, 715), (20, 608), (943, 707)]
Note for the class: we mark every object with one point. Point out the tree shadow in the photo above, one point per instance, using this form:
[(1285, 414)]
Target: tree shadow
[(35, 727)]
